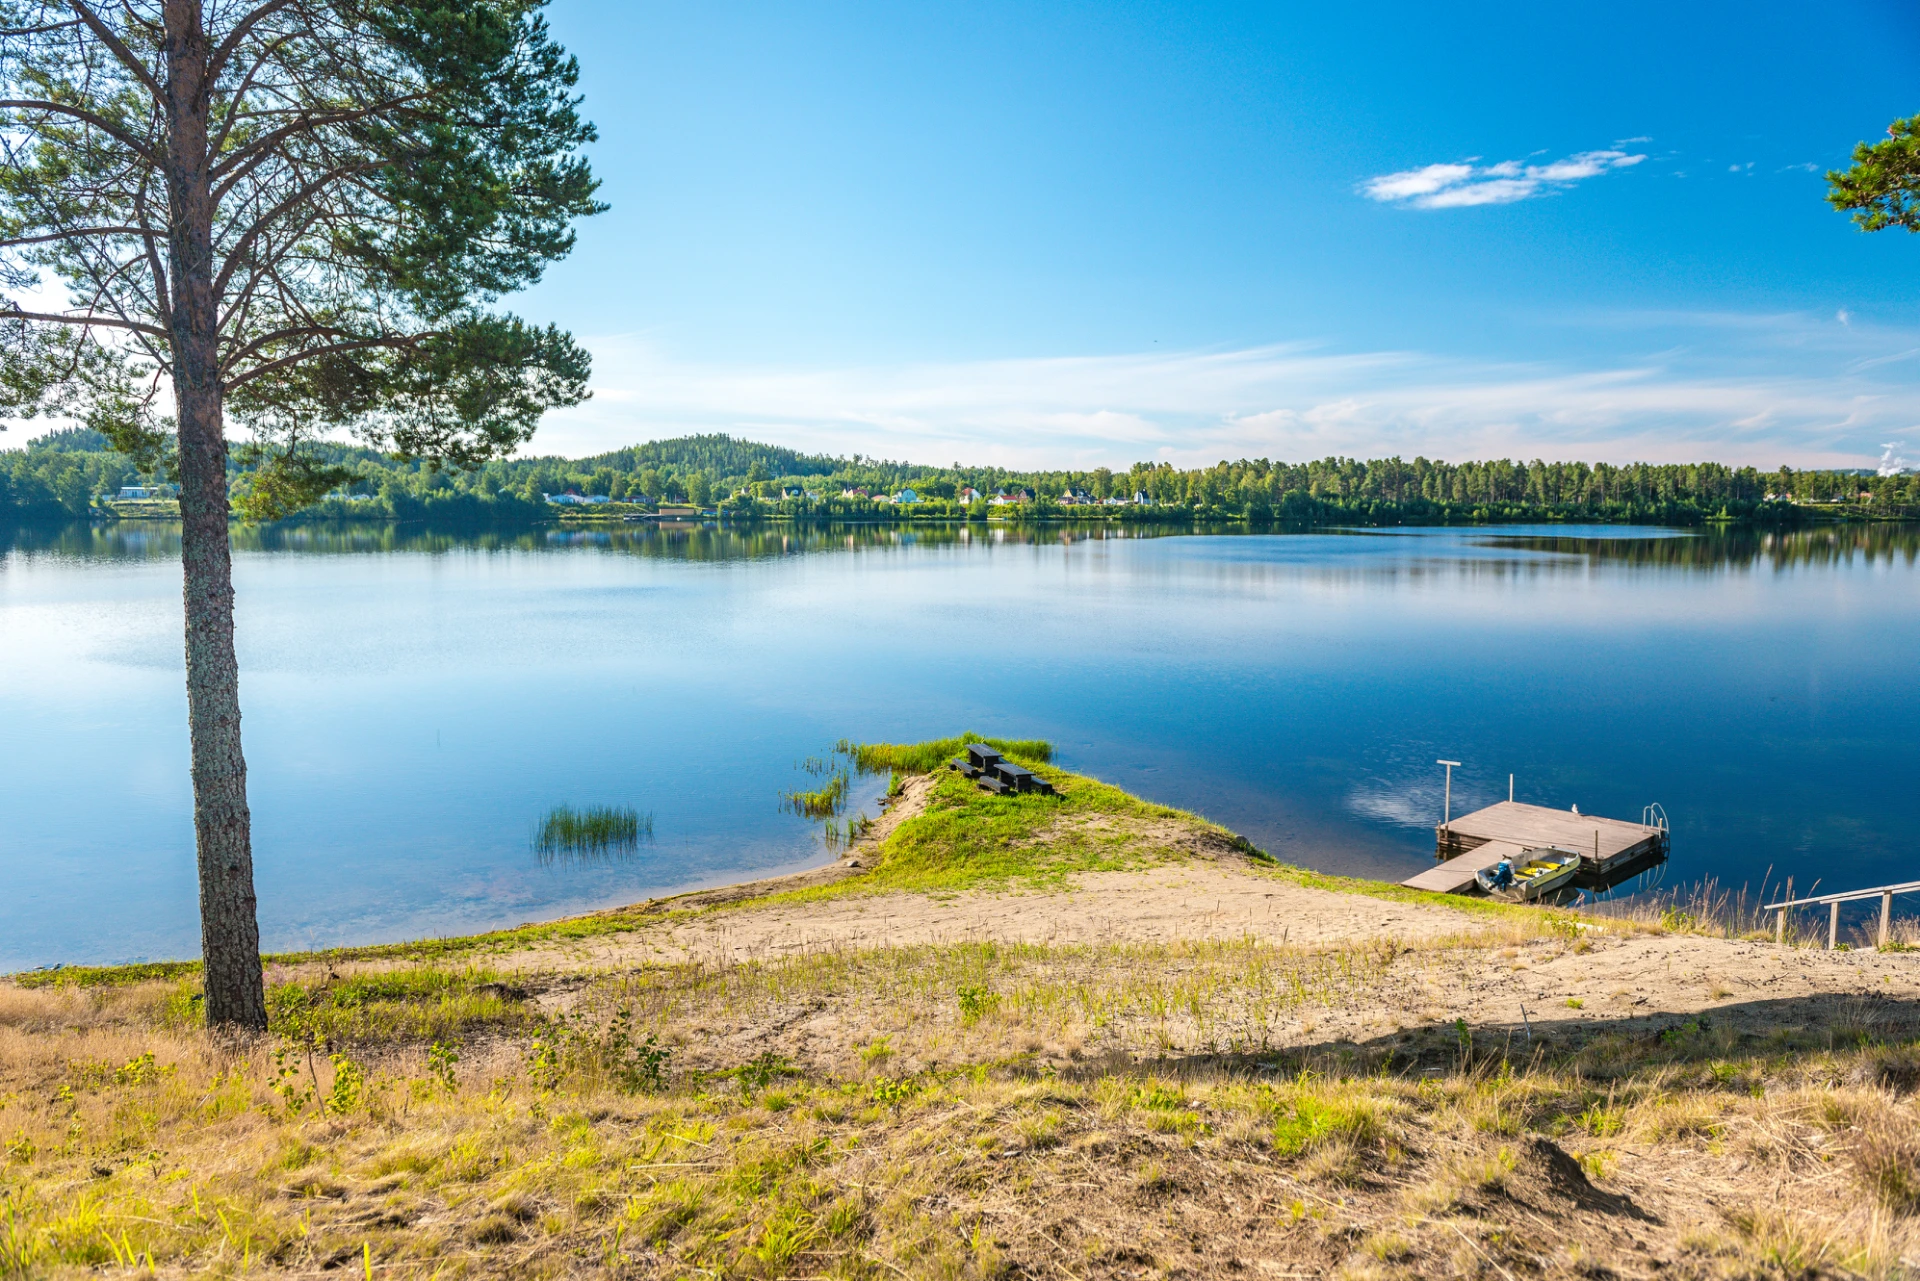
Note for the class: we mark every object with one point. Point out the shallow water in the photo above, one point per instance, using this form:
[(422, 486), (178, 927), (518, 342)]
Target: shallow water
[(416, 703)]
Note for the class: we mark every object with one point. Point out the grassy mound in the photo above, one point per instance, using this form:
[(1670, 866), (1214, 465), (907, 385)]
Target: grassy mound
[(966, 837)]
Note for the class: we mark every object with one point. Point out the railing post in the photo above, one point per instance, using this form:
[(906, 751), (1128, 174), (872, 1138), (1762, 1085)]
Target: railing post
[(1780, 926), (1784, 904), (1833, 925), (1886, 917)]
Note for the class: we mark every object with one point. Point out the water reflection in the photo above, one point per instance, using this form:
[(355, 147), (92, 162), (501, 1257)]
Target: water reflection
[(1489, 549)]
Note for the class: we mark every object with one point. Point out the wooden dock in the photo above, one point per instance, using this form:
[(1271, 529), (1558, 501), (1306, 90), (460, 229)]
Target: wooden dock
[(1484, 837), (1455, 876)]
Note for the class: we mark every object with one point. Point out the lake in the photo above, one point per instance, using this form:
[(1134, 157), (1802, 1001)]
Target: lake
[(415, 702)]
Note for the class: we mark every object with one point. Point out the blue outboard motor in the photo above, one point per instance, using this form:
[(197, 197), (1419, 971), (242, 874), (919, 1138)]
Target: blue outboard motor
[(1502, 874)]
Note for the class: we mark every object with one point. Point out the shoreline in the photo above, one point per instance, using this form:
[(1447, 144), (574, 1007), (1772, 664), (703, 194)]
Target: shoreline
[(1001, 1034)]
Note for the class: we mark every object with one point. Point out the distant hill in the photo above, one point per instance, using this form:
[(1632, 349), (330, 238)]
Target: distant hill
[(72, 440), (719, 454)]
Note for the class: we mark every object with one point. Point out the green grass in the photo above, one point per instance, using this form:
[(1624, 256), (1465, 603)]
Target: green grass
[(418, 1004), (924, 758), (107, 975), (968, 838)]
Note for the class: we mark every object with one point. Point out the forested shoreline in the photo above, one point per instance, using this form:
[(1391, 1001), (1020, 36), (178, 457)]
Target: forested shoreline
[(71, 474)]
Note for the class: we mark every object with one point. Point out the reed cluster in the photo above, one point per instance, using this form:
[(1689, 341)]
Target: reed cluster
[(594, 830)]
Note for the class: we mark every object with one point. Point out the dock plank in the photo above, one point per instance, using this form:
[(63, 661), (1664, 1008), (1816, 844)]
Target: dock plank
[(1600, 842), (1455, 876)]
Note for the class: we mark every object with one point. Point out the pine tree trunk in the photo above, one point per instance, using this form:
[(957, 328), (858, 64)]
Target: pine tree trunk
[(229, 925)]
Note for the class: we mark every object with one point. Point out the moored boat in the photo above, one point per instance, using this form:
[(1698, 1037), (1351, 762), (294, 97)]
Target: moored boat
[(1535, 873)]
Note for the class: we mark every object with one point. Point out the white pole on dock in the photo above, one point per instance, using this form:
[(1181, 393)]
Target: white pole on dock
[(1446, 820), (1509, 789)]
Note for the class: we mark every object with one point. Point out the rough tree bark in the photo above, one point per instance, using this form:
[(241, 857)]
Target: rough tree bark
[(229, 926)]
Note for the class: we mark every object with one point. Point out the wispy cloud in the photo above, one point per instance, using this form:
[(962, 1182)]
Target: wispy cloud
[(1463, 184), (1804, 405)]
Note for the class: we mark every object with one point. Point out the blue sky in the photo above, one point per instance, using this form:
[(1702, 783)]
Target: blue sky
[(1108, 232), (1099, 233)]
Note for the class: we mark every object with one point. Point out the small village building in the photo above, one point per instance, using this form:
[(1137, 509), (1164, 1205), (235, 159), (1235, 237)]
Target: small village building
[(134, 493)]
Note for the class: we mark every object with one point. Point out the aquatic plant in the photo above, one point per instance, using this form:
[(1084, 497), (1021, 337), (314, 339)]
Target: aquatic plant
[(597, 830), (821, 802)]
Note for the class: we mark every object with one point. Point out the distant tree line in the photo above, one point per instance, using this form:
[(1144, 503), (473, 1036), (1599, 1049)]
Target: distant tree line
[(67, 474)]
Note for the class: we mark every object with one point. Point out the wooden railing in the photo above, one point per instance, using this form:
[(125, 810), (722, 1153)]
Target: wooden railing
[(1884, 893)]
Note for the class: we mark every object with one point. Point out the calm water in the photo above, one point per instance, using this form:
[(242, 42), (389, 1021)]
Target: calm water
[(415, 703)]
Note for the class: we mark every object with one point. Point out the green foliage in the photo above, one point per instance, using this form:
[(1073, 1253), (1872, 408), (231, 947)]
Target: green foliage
[(1882, 188), (442, 1059), (510, 491), (418, 162), (576, 1046), (349, 1086)]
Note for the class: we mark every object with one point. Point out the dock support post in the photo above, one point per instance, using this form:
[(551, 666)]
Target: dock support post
[(1509, 789), (1886, 917), (1833, 925), (1780, 926)]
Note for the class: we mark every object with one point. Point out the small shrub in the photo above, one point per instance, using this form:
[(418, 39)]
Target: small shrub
[(1602, 1121), (893, 1093), (441, 1060), (977, 1002), (1310, 1124), (349, 1086), (757, 1073)]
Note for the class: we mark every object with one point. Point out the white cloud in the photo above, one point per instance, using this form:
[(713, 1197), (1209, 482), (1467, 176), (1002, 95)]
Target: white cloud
[(1463, 184), (1283, 401), (1418, 182)]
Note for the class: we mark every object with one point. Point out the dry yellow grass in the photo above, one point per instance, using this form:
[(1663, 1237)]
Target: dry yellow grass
[(943, 1112)]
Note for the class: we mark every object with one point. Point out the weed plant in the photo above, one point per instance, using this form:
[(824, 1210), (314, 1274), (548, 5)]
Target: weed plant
[(594, 832)]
